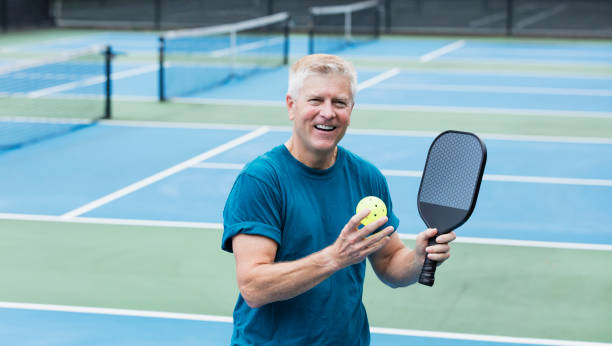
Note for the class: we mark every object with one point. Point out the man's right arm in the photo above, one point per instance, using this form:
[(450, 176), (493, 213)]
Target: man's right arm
[(261, 280)]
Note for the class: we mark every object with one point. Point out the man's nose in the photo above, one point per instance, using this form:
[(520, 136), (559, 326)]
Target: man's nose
[(327, 109)]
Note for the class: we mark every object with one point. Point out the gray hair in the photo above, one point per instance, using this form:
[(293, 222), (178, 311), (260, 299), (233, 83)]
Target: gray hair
[(320, 64)]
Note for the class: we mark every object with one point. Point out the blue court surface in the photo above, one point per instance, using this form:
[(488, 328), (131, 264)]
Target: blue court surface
[(149, 328), (537, 191), (524, 179)]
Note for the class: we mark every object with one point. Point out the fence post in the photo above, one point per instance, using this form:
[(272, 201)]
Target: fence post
[(509, 17)]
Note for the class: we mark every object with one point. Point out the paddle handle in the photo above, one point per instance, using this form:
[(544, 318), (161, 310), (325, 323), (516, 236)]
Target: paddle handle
[(428, 272)]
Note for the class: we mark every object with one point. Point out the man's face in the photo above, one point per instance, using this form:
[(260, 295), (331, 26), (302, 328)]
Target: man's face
[(321, 113)]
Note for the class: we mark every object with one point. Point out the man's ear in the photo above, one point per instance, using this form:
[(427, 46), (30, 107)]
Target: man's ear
[(290, 106)]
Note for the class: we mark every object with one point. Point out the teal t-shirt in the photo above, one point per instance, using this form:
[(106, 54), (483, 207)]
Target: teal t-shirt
[(303, 210)]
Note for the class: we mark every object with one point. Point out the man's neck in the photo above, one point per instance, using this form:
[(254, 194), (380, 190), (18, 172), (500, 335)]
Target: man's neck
[(322, 160)]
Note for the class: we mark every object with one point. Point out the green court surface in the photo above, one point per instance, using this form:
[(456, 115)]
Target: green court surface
[(484, 289), (373, 119)]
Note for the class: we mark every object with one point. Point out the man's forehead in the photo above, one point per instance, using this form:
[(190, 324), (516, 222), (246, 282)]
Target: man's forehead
[(322, 84), (328, 76)]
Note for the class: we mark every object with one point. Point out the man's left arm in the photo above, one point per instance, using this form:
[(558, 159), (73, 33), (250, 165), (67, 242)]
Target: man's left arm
[(397, 265)]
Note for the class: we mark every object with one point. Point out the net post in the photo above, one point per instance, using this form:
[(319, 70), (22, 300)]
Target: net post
[(161, 81), (286, 45), (108, 56)]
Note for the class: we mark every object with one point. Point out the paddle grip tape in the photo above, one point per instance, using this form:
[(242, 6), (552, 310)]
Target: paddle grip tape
[(428, 272)]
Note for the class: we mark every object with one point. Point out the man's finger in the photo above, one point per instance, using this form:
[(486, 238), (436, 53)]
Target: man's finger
[(438, 248), (446, 238), (431, 232), (378, 243), (427, 234), (373, 238), (373, 226), (439, 257), (355, 220)]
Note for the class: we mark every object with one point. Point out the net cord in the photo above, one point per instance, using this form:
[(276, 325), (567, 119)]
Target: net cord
[(228, 28), (231, 29), (354, 7), (347, 10), (60, 58)]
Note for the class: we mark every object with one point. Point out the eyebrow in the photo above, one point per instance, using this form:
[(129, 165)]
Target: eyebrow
[(337, 98)]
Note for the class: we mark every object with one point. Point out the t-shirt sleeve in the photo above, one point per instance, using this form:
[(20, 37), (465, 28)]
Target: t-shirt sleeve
[(252, 207), (393, 219), (385, 195)]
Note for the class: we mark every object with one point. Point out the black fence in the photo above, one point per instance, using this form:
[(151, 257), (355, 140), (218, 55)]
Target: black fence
[(564, 18), (556, 18), (19, 14)]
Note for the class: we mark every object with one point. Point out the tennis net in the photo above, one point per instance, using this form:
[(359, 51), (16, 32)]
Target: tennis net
[(193, 60), (49, 97), (334, 28)]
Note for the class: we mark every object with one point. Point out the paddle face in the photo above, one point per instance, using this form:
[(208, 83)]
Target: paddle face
[(450, 183)]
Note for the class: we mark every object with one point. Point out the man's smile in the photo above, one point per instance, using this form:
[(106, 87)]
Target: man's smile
[(324, 127)]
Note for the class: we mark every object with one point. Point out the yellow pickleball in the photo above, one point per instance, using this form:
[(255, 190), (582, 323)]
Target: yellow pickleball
[(377, 208)]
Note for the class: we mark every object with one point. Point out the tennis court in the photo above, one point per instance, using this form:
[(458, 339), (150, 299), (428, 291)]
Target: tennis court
[(111, 234)]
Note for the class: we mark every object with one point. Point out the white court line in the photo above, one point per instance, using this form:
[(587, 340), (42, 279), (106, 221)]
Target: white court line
[(523, 243), (488, 110), (115, 312), (500, 89), (480, 337), (442, 51), (215, 165), (409, 108), (378, 78), (514, 178), (109, 221), (487, 177), (373, 132), (228, 319), (91, 81), (165, 173), (535, 243), (488, 136), (546, 52), (548, 180), (219, 226)]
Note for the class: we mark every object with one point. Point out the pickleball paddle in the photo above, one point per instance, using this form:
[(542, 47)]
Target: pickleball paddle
[(449, 186)]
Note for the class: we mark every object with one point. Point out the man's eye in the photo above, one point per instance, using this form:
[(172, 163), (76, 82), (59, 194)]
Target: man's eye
[(314, 100), (340, 104)]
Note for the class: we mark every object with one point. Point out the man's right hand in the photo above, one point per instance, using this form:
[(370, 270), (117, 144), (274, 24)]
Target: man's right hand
[(353, 244)]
